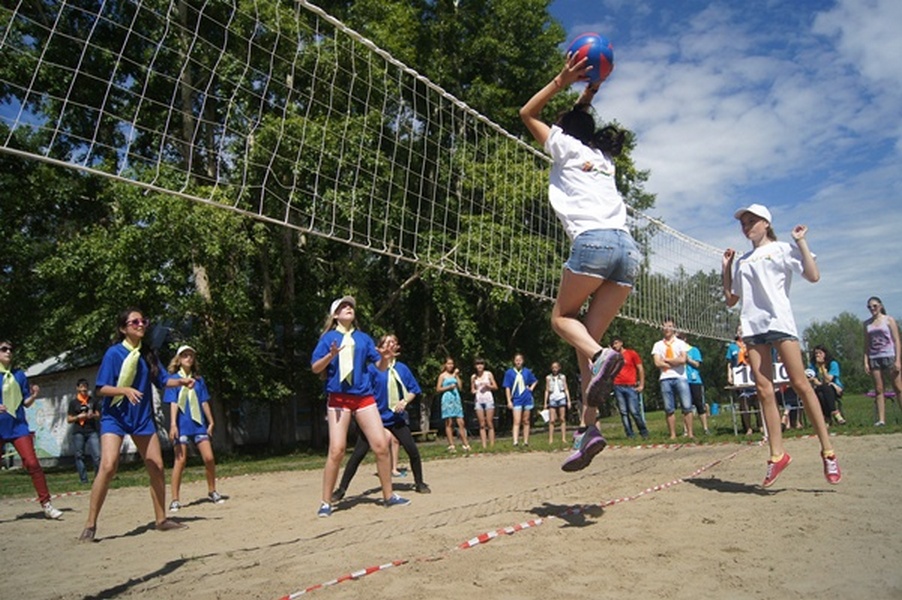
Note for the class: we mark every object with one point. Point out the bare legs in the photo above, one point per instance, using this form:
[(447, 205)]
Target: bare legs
[(879, 394), (486, 426), (370, 424), (584, 335)]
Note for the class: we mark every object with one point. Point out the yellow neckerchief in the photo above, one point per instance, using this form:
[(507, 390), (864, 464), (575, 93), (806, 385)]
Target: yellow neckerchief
[(187, 396), (12, 393), (668, 349), (519, 383), (346, 354), (395, 394), (84, 400), (129, 369)]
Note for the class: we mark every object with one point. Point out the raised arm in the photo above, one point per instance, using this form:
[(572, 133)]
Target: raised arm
[(531, 112)]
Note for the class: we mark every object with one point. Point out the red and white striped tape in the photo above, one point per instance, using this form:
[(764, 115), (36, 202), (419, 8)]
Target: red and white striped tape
[(486, 537)]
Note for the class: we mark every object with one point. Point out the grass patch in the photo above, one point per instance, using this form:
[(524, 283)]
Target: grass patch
[(857, 409)]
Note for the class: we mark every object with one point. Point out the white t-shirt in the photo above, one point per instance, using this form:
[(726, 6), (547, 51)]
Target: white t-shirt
[(582, 189), (678, 345), (762, 278)]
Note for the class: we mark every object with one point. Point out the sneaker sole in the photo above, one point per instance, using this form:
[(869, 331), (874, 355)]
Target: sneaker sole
[(582, 458), (602, 384)]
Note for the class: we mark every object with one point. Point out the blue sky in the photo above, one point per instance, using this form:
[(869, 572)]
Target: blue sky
[(796, 105)]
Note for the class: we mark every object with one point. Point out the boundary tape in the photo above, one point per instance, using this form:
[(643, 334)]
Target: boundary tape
[(484, 538)]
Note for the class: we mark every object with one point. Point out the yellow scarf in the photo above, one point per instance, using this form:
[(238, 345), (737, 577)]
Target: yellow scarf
[(189, 396), (395, 395), (519, 383), (346, 355), (129, 369), (12, 393)]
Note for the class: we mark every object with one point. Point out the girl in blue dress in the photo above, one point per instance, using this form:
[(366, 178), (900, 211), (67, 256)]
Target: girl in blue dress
[(127, 373), (342, 355), (448, 385), (191, 420), (15, 397)]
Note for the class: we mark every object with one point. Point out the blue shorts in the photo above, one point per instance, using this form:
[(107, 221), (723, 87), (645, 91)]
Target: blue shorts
[(200, 437), (768, 338), (557, 403), (523, 402), (610, 254)]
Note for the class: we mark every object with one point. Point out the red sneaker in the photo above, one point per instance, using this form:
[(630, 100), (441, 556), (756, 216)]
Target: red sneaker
[(775, 468), (831, 470)]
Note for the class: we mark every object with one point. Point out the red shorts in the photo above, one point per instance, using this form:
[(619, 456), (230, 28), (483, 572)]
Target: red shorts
[(350, 402)]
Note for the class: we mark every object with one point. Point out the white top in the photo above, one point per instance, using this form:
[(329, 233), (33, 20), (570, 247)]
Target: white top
[(762, 278), (582, 189), (678, 345), (555, 384)]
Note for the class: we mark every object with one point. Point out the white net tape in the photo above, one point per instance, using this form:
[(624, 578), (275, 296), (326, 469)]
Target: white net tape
[(289, 117)]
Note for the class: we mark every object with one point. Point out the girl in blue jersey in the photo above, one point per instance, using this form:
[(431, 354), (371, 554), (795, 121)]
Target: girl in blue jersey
[(191, 420), (15, 397), (127, 373), (394, 389), (343, 354), (518, 384)]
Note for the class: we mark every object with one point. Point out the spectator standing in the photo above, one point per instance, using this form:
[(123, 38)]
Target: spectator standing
[(628, 385), (483, 386), (670, 357), (519, 383), (557, 401), (746, 397), (882, 355), (448, 385), (84, 417), (696, 386)]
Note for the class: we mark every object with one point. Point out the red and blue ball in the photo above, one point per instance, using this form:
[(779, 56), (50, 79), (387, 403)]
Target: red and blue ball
[(600, 52)]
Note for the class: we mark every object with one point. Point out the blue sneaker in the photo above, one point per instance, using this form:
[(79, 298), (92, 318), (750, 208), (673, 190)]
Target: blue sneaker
[(396, 500), (604, 369), (590, 444), (325, 510)]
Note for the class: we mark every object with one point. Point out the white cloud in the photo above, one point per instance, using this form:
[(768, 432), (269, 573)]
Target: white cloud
[(802, 114)]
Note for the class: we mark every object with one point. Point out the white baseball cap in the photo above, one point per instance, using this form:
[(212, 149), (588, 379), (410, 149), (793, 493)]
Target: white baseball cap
[(184, 348), (759, 210), (343, 300)]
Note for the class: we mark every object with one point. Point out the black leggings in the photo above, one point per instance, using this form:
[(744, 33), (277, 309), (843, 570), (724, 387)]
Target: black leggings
[(400, 431), (826, 394)]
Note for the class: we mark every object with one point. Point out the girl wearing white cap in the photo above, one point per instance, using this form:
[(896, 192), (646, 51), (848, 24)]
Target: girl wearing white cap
[(343, 354), (128, 372), (191, 420), (761, 279)]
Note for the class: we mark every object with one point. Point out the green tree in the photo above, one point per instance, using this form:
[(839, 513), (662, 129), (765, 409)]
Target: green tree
[(843, 336)]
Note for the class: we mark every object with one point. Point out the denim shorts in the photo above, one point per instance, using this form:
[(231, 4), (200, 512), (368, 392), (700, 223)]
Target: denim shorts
[(882, 363), (606, 253), (768, 338)]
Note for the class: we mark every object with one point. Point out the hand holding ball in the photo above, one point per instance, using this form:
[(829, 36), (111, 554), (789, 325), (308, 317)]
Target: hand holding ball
[(599, 54)]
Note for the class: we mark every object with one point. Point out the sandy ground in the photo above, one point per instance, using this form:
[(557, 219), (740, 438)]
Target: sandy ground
[(662, 522)]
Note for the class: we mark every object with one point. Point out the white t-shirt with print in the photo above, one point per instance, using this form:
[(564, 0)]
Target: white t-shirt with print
[(582, 189), (762, 278)]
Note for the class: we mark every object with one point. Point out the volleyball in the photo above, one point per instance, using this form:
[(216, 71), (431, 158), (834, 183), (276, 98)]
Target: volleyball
[(600, 52)]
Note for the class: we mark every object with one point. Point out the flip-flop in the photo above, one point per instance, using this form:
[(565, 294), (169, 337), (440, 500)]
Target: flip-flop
[(87, 535), (170, 525)]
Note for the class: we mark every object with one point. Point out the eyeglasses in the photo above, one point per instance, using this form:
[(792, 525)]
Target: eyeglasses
[(6, 348), (138, 322), (873, 306)]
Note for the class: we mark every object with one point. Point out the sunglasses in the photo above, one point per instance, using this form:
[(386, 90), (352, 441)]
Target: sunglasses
[(138, 322), (6, 348), (873, 306)]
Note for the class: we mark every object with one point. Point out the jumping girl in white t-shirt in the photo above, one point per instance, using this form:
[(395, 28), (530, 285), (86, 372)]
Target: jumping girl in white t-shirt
[(761, 279)]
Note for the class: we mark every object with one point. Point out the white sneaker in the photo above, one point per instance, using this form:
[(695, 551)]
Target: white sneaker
[(175, 506), (215, 497), (50, 512)]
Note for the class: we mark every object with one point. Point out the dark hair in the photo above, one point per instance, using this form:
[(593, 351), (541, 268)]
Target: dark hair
[(579, 124), (82, 382), (616, 338), (828, 358), (882, 308), (147, 353)]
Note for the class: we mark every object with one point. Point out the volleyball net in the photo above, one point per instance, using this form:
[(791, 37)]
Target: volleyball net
[(279, 112)]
